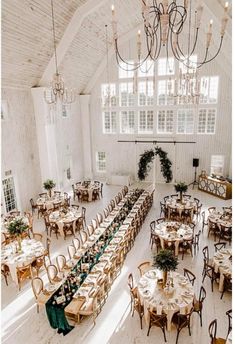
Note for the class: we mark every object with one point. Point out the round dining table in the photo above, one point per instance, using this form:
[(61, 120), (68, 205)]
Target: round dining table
[(49, 202), (169, 300), (60, 218), (217, 217), (173, 231), (8, 218), (31, 249), (222, 262), (89, 187), (174, 204)]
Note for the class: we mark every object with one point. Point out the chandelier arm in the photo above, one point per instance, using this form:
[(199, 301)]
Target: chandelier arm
[(54, 40), (211, 59)]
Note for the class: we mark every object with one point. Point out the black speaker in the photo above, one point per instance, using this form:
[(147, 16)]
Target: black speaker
[(195, 162)]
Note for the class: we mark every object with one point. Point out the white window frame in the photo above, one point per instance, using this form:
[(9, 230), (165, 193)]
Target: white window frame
[(147, 113), (206, 121), (9, 192), (187, 113), (99, 162), (130, 97), (148, 91), (129, 129), (169, 115), (113, 128), (112, 101)]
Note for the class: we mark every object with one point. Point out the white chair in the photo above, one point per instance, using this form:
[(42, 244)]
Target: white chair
[(61, 262), (76, 243), (94, 223), (83, 235), (99, 218), (71, 251), (52, 273)]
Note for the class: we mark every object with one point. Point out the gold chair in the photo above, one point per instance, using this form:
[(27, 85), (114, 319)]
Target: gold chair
[(198, 304), (133, 289), (144, 267), (38, 263), (68, 229), (83, 236), (23, 272), (5, 271), (52, 273), (54, 228), (37, 286), (61, 263), (76, 243), (90, 307)]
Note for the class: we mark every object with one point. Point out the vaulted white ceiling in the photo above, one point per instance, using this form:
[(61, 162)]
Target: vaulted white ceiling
[(27, 47)]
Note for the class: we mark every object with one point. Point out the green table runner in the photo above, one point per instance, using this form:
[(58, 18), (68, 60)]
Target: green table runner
[(55, 312)]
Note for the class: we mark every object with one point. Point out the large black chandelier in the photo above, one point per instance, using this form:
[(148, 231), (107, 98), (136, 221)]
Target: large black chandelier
[(167, 24)]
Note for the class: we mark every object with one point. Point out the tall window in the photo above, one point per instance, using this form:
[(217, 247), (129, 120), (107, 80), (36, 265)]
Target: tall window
[(126, 94), (166, 66), (126, 72), (165, 121), (217, 164), (127, 122), (100, 161), (108, 95), (209, 90), (145, 122), (9, 194), (147, 69), (185, 121), (109, 122), (206, 121), (145, 91)]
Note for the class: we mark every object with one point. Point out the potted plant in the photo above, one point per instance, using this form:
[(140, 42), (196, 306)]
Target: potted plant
[(181, 187), (16, 228), (49, 184), (165, 261)]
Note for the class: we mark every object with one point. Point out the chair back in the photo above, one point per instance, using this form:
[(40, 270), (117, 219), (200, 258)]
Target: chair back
[(75, 206), (99, 217), (159, 320), (152, 226), (43, 194), (120, 195), (219, 245), (202, 294), (160, 220), (106, 212), (94, 223), (52, 272), (144, 267), (61, 262), (83, 212), (211, 210), (205, 252), (76, 243), (37, 286), (213, 330), (190, 276), (112, 202), (130, 281), (90, 230), (32, 202), (83, 235), (71, 251)]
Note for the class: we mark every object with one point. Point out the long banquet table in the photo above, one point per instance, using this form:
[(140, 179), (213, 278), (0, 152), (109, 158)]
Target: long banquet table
[(108, 236)]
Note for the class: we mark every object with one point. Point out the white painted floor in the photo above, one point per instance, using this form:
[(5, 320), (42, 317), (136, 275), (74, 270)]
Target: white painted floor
[(114, 325)]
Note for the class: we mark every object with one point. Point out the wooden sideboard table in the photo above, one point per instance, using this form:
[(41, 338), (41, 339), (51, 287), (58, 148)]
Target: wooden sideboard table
[(216, 187)]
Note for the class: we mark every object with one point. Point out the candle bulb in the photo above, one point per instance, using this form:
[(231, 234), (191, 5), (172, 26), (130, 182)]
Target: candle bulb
[(226, 7), (210, 26), (113, 11), (139, 43)]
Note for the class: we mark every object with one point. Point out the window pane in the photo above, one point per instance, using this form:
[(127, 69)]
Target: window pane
[(9, 194), (126, 72), (217, 164), (101, 161)]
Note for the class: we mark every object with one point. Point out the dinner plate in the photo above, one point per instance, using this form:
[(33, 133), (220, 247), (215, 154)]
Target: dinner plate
[(151, 274), (50, 287)]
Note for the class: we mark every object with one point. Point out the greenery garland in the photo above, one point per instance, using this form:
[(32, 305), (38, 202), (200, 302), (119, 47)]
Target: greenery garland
[(147, 158)]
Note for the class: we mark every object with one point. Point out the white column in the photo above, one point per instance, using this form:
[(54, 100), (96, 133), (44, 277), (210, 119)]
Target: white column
[(84, 101), (46, 136)]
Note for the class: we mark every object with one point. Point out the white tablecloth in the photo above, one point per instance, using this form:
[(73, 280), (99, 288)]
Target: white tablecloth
[(48, 203), (30, 250), (173, 231), (154, 297), (61, 219)]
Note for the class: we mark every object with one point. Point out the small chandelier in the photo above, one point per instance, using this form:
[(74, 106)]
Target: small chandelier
[(164, 27), (57, 90)]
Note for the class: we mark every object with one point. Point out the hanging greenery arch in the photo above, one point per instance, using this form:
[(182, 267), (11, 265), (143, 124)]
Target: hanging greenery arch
[(147, 158)]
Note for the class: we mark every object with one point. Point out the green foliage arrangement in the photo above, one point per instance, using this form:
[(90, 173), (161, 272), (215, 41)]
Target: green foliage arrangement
[(49, 184), (17, 227), (181, 187), (165, 261), (147, 158)]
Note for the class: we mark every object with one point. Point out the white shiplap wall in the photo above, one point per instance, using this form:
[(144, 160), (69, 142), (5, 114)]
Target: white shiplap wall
[(19, 148)]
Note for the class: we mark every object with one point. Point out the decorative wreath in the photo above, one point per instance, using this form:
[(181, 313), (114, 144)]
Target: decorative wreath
[(147, 158)]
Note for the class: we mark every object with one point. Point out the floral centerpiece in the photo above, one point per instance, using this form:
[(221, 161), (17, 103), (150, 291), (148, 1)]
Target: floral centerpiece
[(16, 228), (165, 261), (181, 187), (49, 184)]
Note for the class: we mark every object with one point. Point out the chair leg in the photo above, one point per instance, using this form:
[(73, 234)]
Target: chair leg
[(177, 337), (37, 308), (189, 329), (141, 326), (149, 328), (200, 313), (164, 333)]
